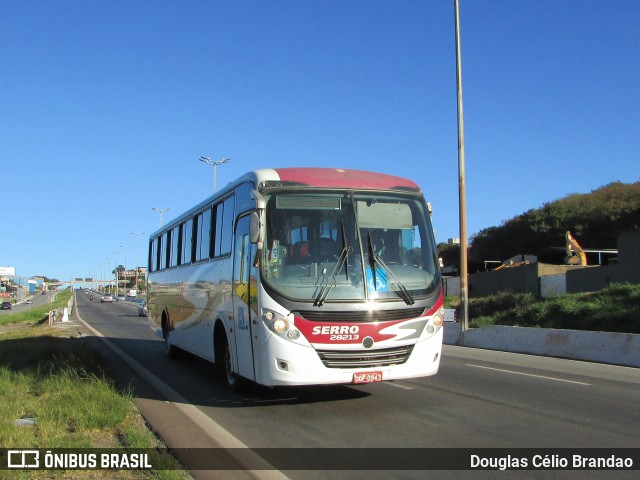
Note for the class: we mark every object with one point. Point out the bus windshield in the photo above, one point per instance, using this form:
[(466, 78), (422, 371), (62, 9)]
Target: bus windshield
[(348, 246)]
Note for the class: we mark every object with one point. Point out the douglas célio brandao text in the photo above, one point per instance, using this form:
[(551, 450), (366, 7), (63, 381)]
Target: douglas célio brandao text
[(551, 462)]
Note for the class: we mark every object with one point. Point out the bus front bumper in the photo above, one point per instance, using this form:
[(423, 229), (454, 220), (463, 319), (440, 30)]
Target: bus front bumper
[(286, 363)]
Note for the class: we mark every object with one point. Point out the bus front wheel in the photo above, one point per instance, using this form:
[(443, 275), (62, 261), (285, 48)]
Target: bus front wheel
[(234, 382), (170, 349)]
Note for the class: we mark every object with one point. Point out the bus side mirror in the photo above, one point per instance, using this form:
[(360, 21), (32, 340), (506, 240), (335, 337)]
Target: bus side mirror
[(257, 219), (255, 230), (259, 199), (256, 225), (255, 234)]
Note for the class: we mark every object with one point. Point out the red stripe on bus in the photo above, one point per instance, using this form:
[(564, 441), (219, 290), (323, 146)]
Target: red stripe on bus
[(343, 178)]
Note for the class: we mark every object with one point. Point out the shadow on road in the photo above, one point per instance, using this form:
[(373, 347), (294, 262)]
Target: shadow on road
[(196, 380)]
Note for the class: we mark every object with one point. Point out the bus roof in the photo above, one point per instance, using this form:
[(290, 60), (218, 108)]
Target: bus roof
[(308, 176), (339, 178)]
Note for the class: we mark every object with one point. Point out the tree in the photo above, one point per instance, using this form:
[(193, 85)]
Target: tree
[(596, 219), (449, 254)]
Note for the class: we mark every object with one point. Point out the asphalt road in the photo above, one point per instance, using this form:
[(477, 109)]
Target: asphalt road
[(479, 399), (37, 301)]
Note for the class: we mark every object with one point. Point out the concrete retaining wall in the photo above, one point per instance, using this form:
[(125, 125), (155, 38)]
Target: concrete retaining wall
[(603, 347), (626, 270)]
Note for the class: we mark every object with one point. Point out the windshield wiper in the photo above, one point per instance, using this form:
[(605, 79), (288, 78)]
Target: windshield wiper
[(346, 249), (400, 289), (372, 260), (342, 260)]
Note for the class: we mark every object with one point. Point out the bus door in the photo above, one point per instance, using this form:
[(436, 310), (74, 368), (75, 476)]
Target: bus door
[(244, 298)]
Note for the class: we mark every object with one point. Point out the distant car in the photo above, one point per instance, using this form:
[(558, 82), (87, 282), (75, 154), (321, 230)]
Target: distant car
[(143, 311), (5, 306), (120, 298), (107, 297), (29, 301)]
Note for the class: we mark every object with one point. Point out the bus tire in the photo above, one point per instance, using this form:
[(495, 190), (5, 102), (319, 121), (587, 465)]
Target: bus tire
[(223, 363), (170, 349), (233, 380)]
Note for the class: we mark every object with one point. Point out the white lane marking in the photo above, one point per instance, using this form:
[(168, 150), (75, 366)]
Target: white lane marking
[(398, 385), (215, 431), (528, 374)]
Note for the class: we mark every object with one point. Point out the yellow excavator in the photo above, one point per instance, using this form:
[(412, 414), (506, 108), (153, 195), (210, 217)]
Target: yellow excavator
[(575, 253)]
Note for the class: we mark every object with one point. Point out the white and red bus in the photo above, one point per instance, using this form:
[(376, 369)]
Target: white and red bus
[(301, 276)]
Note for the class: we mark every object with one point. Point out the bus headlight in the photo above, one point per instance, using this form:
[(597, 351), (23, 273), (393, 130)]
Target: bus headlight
[(293, 334), (438, 318), (435, 323), (280, 325), (275, 321)]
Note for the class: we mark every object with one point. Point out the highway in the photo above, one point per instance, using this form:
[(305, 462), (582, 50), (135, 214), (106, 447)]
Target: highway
[(479, 399), (37, 301)]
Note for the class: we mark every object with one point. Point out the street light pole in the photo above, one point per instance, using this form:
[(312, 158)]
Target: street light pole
[(160, 211), (137, 235), (464, 292), (215, 164)]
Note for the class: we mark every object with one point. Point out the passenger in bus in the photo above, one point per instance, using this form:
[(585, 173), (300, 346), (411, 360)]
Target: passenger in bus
[(377, 241), (302, 249), (314, 251), (386, 244), (392, 246), (326, 249)]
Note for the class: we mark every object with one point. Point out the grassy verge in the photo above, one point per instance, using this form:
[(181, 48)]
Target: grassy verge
[(58, 380), (36, 314), (614, 309)]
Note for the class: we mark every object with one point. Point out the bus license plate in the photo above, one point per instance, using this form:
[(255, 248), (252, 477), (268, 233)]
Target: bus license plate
[(367, 377)]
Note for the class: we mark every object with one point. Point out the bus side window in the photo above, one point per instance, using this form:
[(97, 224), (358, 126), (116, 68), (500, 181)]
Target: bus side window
[(153, 255), (227, 226), (203, 235), (162, 250), (205, 245), (187, 232), (218, 229), (224, 227), (173, 249)]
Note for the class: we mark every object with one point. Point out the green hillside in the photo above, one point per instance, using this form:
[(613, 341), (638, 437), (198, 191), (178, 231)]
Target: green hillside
[(613, 309), (595, 219)]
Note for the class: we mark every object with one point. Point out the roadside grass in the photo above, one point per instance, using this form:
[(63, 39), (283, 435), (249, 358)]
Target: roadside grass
[(36, 314), (58, 380), (614, 309)]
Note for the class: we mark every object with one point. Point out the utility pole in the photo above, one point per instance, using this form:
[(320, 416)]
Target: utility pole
[(464, 293)]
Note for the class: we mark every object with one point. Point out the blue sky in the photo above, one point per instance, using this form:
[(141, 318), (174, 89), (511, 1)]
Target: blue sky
[(106, 106)]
